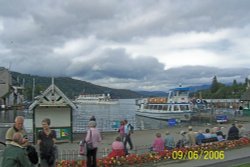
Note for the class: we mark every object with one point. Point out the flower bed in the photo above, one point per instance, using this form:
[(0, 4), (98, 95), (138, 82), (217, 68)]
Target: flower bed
[(154, 157)]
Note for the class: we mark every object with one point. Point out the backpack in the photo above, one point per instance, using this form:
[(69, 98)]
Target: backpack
[(131, 128), (32, 154)]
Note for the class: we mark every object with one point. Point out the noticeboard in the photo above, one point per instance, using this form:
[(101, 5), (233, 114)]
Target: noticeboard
[(62, 133), (221, 118), (172, 122), (115, 124)]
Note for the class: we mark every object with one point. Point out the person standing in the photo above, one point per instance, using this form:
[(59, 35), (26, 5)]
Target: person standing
[(93, 136), (121, 131), (14, 155), (17, 127), (46, 142), (127, 131), (191, 136)]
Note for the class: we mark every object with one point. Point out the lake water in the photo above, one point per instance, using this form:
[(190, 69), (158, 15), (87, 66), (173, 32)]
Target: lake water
[(108, 116)]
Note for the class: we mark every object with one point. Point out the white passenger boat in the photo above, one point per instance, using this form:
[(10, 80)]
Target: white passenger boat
[(95, 99), (175, 106)]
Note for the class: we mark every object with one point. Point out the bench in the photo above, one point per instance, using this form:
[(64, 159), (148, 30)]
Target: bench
[(209, 140)]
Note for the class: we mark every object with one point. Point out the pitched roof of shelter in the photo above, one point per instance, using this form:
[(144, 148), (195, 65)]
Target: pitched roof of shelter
[(52, 97)]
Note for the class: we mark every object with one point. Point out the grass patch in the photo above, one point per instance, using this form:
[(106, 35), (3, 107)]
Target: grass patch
[(243, 165)]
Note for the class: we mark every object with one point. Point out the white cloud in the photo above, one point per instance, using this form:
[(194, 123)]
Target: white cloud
[(1, 26), (75, 46)]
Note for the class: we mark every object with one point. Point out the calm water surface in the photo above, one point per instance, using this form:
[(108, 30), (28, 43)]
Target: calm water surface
[(108, 116)]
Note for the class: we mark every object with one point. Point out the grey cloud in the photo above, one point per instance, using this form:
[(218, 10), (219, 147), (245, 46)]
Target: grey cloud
[(116, 63), (32, 30)]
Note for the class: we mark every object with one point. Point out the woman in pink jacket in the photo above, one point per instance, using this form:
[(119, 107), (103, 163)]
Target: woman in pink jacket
[(117, 148), (121, 130), (94, 137), (158, 143)]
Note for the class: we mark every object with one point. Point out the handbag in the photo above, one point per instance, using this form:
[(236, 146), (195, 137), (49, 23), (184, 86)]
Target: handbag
[(82, 148), (90, 144)]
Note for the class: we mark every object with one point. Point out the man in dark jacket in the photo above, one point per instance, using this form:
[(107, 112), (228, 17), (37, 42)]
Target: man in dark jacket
[(233, 133), (14, 155)]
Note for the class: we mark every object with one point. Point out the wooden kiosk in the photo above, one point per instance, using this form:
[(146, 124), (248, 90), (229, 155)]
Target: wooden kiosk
[(53, 104)]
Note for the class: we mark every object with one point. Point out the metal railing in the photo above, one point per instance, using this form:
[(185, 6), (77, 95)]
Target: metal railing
[(73, 154)]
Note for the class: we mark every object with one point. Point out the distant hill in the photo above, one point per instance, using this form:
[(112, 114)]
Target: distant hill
[(192, 89), (70, 87)]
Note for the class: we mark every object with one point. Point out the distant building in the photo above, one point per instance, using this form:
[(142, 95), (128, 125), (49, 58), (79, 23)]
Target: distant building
[(10, 95)]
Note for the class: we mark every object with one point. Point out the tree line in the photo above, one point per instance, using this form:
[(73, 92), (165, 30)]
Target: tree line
[(219, 90)]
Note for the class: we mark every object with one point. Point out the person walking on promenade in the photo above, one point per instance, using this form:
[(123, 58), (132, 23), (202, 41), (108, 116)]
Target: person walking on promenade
[(121, 131), (169, 141), (46, 142), (233, 133), (14, 155), (158, 143), (117, 148), (128, 131), (93, 136), (17, 127)]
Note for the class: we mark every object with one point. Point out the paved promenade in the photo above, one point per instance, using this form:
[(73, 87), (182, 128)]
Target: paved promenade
[(142, 140)]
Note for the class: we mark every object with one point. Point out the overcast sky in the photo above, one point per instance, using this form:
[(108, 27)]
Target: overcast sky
[(130, 44)]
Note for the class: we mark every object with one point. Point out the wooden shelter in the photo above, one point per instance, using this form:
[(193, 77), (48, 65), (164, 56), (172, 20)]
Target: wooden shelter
[(53, 104)]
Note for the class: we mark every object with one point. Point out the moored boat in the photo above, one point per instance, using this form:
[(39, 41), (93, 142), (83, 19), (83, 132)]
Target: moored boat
[(95, 99), (175, 106)]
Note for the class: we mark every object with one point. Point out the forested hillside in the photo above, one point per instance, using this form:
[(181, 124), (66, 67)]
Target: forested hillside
[(70, 87)]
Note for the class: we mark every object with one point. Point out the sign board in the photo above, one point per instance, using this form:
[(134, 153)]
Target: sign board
[(115, 124), (172, 122), (221, 118), (62, 133)]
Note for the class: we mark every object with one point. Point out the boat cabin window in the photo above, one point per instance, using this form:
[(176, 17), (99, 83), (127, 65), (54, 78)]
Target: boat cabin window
[(159, 107), (176, 108), (184, 107), (165, 108)]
